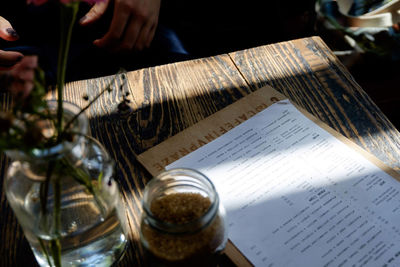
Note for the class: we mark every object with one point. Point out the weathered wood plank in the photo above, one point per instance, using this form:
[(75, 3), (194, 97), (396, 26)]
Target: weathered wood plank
[(172, 97), (163, 100), (307, 72)]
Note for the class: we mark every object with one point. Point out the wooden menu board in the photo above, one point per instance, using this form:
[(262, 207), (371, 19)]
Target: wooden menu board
[(205, 131)]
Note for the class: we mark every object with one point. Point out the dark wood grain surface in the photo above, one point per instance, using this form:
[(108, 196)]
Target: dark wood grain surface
[(308, 73), (167, 99)]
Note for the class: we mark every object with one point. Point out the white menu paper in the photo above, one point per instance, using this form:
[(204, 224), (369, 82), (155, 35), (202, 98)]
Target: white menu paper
[(297, 196)]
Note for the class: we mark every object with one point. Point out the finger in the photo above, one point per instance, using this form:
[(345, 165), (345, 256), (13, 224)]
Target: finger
[(21, 88), (95, 13), (23, 74), (9, 58), (6, 30), (130, 36), (26, 75), (31, 62), (118, 24), (150, 36), (141, 41), (25, 69)]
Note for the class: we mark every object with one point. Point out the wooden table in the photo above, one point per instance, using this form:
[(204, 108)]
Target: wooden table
[(167, 99)]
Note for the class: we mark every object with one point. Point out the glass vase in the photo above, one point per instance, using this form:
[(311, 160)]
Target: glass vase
[(66, 200)]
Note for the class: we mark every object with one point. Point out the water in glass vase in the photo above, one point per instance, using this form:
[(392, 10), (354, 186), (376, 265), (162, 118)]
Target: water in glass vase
[(107, 243), (89, 240)]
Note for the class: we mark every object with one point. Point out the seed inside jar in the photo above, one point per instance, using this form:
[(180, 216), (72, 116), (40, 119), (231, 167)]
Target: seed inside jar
[(179, 209)]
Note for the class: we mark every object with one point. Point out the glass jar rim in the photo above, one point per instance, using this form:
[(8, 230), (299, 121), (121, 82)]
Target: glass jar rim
[(195, 225), (81, 125)]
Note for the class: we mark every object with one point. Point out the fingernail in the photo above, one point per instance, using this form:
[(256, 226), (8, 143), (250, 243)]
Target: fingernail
[(12, 32)]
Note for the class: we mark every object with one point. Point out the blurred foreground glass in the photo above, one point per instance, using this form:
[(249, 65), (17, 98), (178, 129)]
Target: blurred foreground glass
[(183, 221)]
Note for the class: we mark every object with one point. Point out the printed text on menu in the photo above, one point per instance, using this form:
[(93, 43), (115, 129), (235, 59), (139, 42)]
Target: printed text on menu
[(297, 196)]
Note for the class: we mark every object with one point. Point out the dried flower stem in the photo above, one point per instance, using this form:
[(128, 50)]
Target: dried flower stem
[(68, 13), (107, 88), (42, 245), (44, 188), (56, 246)]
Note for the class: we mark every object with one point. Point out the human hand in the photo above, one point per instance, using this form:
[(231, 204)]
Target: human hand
[(8, 58), (21, 77), (132, 27)]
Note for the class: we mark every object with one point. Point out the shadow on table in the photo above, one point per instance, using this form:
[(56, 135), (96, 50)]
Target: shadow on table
[(380, 79), (125, 135), (132, 132)]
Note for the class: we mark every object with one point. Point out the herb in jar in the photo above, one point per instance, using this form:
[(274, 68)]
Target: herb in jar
[(198, 244)]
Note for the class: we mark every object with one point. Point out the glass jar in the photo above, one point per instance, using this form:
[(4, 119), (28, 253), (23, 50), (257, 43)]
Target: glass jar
[(183, 221), (75, 216)]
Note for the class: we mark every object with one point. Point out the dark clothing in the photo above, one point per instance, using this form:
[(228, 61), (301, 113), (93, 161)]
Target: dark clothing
[(211, 27), (38, 28)]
